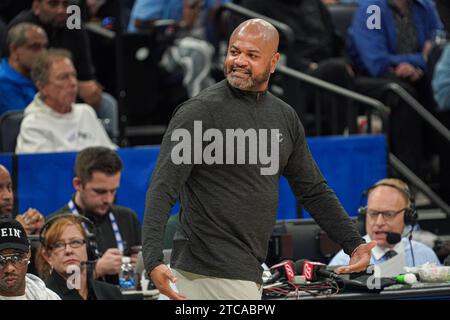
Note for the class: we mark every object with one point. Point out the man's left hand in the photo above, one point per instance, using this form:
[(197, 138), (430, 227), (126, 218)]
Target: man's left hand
[(360, 259), (32, 221)]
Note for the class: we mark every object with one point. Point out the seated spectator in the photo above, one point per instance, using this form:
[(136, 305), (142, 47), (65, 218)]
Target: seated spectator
[(402, 43), (32, 220), (15, 282), (117, 229), (396, 51), (389, 207), (25, 41), (64, 248), (52, 15), (6, 194), (53, 122), (190, 51)]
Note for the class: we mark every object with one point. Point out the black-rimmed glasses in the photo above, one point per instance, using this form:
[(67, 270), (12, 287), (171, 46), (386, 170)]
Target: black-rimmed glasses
[(387, 215), (61, 245)]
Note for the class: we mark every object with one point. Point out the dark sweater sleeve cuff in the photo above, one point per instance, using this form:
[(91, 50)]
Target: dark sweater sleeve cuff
[(149, 267), (349, 247)]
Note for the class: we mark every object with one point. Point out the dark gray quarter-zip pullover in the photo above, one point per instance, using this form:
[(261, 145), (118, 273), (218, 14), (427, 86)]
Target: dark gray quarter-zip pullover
[(228, 210)]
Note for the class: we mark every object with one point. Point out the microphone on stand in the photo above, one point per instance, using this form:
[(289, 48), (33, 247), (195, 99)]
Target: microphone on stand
[(282, 271)]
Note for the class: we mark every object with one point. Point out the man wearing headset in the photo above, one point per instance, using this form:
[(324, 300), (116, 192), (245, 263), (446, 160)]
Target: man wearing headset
[(389, 208)]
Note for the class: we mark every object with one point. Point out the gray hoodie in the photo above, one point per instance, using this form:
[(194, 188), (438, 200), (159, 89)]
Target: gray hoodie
[(35, 289)]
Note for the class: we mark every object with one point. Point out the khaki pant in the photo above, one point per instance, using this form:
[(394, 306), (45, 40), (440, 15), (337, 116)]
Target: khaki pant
[(199, 287)]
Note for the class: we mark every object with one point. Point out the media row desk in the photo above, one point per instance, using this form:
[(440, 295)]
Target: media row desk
[(140, 295), (418, 291)]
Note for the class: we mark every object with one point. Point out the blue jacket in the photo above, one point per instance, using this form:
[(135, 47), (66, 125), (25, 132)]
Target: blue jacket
[(162, 9), (16, 91), (441, 80), (374, 50)]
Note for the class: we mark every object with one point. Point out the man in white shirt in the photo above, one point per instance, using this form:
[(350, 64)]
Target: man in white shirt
[(15, 283), (53, 122), (390, 207)]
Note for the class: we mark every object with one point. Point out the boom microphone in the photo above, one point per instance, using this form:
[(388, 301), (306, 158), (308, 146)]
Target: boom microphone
[(393, 237), (282, 271)]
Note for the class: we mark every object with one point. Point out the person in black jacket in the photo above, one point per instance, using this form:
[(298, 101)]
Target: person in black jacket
[(62, 262)]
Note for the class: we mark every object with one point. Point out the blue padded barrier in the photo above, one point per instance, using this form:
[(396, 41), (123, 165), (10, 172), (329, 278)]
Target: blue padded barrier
[(350, 164)]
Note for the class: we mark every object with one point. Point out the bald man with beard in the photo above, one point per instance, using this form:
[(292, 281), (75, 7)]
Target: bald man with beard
[(229, 206)]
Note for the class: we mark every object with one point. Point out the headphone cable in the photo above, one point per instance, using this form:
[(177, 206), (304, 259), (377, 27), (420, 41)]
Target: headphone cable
[(410, 244)]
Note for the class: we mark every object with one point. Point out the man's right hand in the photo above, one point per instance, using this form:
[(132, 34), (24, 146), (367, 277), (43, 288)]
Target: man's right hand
[(91, 93), (406, 70), (161, 275), (32, 221), (109, 263)]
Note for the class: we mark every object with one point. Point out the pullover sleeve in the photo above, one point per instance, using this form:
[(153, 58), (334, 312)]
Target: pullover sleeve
[(168, 178), (311, 189)]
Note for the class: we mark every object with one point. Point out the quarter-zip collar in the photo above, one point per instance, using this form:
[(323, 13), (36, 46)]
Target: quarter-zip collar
[(251, 96)]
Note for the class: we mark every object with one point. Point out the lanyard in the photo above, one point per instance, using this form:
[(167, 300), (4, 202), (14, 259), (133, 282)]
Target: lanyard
[(114, 225)]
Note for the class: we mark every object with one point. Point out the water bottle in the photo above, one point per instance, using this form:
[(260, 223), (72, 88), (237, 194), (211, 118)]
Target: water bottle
[(126, 276)]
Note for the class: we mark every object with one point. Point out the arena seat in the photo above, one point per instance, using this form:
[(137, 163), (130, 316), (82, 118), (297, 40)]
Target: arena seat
[(9, 130), (342, 15)]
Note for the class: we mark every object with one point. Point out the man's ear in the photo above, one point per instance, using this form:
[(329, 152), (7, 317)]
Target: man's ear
[(36, 7), (274, 62), (12, 49), (40, 86), (76, 182)]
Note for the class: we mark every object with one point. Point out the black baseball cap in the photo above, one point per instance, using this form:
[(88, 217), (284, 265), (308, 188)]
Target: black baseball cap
[(13, 236)]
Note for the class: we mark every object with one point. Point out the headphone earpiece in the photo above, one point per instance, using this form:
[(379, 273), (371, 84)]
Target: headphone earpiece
[(411, 215), (362, 214), (89, 228)]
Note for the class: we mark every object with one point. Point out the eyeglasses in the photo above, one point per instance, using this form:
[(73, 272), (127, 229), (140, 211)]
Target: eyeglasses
[(55, 3), (387, 215), (61, 245), (17, 260)]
